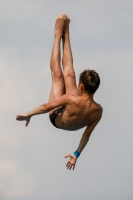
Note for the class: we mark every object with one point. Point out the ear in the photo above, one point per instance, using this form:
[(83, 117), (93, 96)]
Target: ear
[(81, 87)]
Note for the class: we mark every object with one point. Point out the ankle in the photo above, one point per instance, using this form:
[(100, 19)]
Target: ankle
[(58, 34), (66, 36)]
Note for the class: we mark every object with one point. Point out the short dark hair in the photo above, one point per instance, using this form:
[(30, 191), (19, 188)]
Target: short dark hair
[(91, 81)]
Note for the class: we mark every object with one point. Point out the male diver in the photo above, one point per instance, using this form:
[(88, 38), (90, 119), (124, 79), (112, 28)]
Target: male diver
[(70, 107)]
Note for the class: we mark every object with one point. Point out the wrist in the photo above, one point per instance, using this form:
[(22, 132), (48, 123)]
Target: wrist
[(29, 115), (76, 153)]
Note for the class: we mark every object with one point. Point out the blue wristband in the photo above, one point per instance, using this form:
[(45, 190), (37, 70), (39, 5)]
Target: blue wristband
[(76, 153)]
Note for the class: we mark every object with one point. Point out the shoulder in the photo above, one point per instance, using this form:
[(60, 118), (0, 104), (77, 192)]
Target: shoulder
[(72, 98), (100, 108), (99, 111), (67, 98)]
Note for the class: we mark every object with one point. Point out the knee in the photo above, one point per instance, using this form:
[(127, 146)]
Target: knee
[(57, 74), (69, 73)]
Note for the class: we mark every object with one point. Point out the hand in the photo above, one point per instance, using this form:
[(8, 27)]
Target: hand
[(23, 117), (71, 162)]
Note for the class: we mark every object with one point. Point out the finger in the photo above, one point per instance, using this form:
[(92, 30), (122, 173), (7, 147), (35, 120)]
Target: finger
[(66, 156), (27, 123), (73, 167), (17, 117), (70, 167), (67, 163)]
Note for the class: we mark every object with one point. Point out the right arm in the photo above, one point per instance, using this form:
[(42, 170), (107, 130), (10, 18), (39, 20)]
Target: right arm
[(72, 158), (86, 135), (44, 108), (85, 138)]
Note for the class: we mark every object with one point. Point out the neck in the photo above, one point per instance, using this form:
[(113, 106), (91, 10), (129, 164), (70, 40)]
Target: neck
[(89, 96)]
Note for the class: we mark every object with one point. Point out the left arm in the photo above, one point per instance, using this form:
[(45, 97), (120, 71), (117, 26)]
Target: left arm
[(63, 100)]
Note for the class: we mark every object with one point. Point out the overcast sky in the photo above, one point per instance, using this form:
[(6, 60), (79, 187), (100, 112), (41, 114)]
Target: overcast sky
[(32, 163)]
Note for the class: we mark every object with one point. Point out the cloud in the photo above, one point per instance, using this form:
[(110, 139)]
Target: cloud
[(22, 186), (16, 71), (7, 167), (15, 12), (19, 78), (14, 183)]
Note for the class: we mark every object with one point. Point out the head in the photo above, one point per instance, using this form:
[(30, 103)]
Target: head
[(89, 81)]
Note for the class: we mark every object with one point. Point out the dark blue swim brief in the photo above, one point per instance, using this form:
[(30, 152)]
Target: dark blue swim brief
[(53, 116)]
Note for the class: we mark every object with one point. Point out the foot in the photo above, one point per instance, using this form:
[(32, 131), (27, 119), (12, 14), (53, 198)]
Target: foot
[(59, 25), (66, 28)]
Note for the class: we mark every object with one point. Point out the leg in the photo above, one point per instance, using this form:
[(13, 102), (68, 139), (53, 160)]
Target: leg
[(67, 61), (58, 87)]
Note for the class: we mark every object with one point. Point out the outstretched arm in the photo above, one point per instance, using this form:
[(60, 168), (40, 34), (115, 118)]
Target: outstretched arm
[(63, 100), (85, 137)]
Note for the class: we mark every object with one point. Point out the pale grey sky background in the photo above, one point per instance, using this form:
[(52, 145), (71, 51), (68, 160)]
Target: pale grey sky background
[(32, 163)]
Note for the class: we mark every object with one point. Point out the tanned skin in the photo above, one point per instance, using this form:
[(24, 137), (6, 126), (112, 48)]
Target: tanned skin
[(80, 108)]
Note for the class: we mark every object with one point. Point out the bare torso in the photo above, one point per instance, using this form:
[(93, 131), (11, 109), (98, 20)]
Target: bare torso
[(81, 112)]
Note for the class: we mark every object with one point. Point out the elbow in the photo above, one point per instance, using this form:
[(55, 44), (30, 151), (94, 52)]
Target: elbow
[(87, 136), (44, 108)]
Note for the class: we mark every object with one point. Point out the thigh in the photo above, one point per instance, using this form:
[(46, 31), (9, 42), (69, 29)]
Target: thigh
[(57, 89), (70, 81)]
